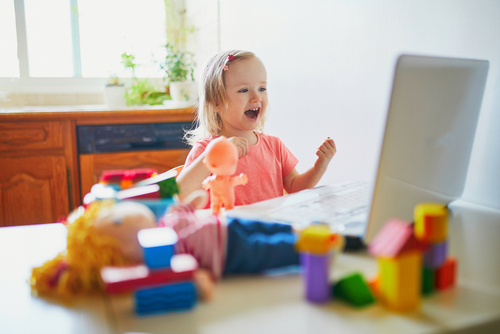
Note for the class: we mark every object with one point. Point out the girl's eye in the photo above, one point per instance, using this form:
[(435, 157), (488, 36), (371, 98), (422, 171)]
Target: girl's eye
[(263, 89), (244, 90)]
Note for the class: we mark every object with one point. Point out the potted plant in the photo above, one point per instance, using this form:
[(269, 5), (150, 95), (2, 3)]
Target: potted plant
[(178, 67), (114, 92), (141, 91)]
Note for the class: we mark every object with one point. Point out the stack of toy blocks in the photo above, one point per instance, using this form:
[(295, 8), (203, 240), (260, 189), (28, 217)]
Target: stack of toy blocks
[(156, 191), (431, 227), (399, 258), (166, 281), (315, 244)]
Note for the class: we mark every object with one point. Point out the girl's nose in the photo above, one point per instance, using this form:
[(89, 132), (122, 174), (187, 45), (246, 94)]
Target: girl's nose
[(255, 97)]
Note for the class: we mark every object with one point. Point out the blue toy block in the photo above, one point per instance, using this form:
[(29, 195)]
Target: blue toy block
[(158, 244), (165, 298), (435, 255), (159, 207)]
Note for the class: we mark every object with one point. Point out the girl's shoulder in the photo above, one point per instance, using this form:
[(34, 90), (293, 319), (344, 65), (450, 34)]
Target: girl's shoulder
[(205, 141), (269, 139)]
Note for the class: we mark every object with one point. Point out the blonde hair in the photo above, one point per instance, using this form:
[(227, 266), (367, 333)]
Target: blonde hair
[(76, 271), (212, 92)]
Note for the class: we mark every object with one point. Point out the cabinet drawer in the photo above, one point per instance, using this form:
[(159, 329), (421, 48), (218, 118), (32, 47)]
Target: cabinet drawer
[(30, 136)]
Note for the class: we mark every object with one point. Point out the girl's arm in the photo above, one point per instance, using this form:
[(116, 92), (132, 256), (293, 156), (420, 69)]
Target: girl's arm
[(294, 181), (192, 177)]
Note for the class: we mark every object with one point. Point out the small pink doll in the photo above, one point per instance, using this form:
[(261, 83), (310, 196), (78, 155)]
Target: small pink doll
[(221, 159)]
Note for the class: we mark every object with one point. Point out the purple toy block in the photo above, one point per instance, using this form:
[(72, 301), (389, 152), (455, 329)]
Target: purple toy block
[(316, 277), (435, 255)]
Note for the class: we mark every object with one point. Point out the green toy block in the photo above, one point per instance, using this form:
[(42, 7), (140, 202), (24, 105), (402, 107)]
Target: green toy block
[(168, 187), (427, 281), (166, 182), (354, 290)]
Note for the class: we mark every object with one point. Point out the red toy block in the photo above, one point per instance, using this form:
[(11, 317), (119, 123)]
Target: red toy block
[(126, 279), (133, 175), (445, 276), (395, 238)]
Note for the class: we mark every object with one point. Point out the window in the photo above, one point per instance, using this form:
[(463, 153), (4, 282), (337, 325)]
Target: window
[(78, 39), (9, 64)]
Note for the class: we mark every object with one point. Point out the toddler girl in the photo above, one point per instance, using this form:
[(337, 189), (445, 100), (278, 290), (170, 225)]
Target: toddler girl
[(233, 103)]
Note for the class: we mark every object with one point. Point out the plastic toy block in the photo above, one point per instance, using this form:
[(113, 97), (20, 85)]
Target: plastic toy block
[(151, 192), (316, 273), (445, 276), (431, 222), (166, 181), (427, 281), (400, 281), (126, 279), (101, 191), (159, 207), (374, 284), (134, 175), (112, 176), (317, 239), (435, 255), (354, 290), (395, 237), (158, 244), (166, 298)]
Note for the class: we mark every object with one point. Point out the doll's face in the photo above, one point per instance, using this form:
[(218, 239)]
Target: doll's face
[(122, 221), (221, 157)]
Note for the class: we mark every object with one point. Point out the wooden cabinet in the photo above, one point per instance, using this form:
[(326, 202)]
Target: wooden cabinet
[(42, 175), (35, 177), (33, 190)]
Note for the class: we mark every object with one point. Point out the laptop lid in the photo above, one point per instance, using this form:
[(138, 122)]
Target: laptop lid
[(430, 129)]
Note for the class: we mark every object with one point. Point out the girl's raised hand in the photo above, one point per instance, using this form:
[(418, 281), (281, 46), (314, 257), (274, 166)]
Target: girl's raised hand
[(326, 151), (241, 144)]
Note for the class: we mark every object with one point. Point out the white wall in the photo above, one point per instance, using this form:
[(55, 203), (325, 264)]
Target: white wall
[(330, 67)]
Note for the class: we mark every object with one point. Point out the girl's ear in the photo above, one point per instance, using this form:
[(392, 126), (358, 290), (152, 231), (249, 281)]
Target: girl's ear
[(217, 108)]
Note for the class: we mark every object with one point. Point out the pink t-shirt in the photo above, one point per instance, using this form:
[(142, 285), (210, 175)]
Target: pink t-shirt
[(266, 164)]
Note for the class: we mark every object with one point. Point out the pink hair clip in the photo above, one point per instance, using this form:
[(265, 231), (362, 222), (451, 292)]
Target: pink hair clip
[(230, 57), (225, 68)]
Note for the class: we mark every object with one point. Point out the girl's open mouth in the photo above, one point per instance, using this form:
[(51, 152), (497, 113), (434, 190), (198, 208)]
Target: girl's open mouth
[(252, 113)]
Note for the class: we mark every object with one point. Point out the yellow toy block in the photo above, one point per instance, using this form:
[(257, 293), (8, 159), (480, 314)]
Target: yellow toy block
[(431, 222), (400, 281), (318, 239)]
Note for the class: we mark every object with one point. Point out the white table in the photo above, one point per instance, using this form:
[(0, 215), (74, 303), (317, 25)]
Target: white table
[(242, 304)]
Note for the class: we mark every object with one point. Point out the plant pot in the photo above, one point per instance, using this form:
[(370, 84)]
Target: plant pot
[(114, 96), (183, 91)]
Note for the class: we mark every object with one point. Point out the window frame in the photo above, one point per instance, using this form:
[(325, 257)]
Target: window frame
[(27, 84)]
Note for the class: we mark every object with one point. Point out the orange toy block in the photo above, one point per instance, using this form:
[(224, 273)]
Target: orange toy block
[(445, 276), (400, 281), (374, 284), (431, 222)]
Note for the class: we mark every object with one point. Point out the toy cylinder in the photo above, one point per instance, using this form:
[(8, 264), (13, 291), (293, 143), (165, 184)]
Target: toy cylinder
[(316, 272)]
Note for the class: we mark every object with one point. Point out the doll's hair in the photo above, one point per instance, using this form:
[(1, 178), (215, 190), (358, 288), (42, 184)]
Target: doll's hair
[(212, 93)]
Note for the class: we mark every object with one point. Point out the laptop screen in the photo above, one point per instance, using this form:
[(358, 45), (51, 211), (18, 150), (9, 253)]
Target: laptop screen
[(430, 129)]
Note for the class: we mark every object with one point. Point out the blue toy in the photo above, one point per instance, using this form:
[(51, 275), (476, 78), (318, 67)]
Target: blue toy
[(158, 245)]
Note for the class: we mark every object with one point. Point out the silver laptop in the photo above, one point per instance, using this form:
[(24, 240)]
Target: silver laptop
[(430, 129)]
